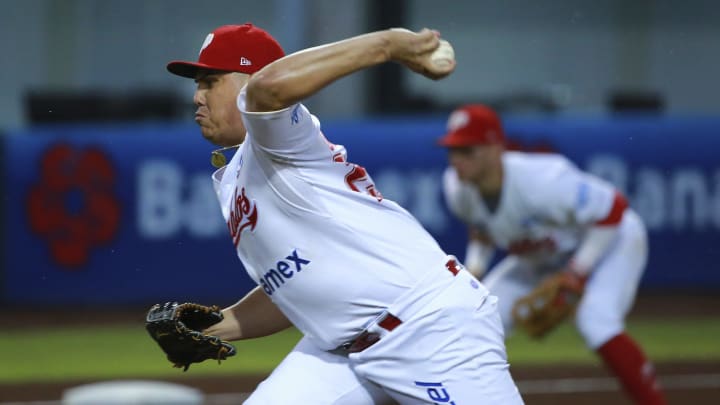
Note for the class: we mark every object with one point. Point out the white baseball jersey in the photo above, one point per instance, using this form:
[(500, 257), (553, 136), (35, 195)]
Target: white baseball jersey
[(545, 206), (313, 231)]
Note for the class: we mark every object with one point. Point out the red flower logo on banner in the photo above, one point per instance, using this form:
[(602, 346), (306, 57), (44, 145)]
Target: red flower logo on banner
[(73, 206)]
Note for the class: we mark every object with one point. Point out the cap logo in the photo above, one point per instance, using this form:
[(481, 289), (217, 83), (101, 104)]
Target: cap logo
[(457, 120), (245, 61), (207, 41)]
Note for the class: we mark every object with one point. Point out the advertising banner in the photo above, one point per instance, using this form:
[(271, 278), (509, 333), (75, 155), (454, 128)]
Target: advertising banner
[(126, 214)]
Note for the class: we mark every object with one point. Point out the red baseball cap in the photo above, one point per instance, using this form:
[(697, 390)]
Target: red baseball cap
[(472, 124), (232, 48)]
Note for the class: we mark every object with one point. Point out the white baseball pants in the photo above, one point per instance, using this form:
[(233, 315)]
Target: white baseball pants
[(449, 352)]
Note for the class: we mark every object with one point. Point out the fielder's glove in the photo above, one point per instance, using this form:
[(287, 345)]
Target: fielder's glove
[(177, 328), (549, 304)]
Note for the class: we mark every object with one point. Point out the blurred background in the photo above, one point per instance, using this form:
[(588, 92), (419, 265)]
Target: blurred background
[(105, 194), (104, 60)]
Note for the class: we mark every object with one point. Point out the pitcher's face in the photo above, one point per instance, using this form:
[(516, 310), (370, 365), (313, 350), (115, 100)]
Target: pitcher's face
[(217, 114)]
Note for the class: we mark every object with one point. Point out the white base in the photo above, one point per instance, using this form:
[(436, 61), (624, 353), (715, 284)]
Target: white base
[(132, 393)]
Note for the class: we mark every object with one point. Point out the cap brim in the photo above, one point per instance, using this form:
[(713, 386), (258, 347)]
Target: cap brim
[(450, 141), (187, 69)]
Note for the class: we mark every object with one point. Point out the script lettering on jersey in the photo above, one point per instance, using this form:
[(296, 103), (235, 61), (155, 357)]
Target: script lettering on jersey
[(528, 246), (243, 214), (436, 392), (283, 270), (357, 177)]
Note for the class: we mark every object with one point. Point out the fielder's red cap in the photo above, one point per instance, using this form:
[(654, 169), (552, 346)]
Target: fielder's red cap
[(232, 48), (473, 124)]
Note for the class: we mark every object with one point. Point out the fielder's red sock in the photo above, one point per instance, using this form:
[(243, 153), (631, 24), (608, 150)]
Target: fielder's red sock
[(636, 373)]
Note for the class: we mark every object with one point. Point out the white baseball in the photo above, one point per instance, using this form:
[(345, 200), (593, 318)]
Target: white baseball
[(443, 55)]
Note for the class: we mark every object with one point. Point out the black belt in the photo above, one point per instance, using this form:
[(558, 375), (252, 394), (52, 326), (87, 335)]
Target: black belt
[(388, 322)]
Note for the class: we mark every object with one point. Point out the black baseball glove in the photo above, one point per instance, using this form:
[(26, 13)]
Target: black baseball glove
[(177, 328)]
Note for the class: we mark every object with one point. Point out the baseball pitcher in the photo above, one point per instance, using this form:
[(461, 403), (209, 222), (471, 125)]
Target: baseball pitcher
[(386, 315)]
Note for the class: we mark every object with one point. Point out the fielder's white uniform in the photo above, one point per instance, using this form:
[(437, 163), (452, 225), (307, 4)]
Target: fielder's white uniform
[(336, 257), (544, 213)]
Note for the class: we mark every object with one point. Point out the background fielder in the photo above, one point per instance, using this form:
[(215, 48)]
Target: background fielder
[(550, 217)]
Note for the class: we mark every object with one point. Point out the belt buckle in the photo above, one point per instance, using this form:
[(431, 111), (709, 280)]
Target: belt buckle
[(365, 339), (362, 342)]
